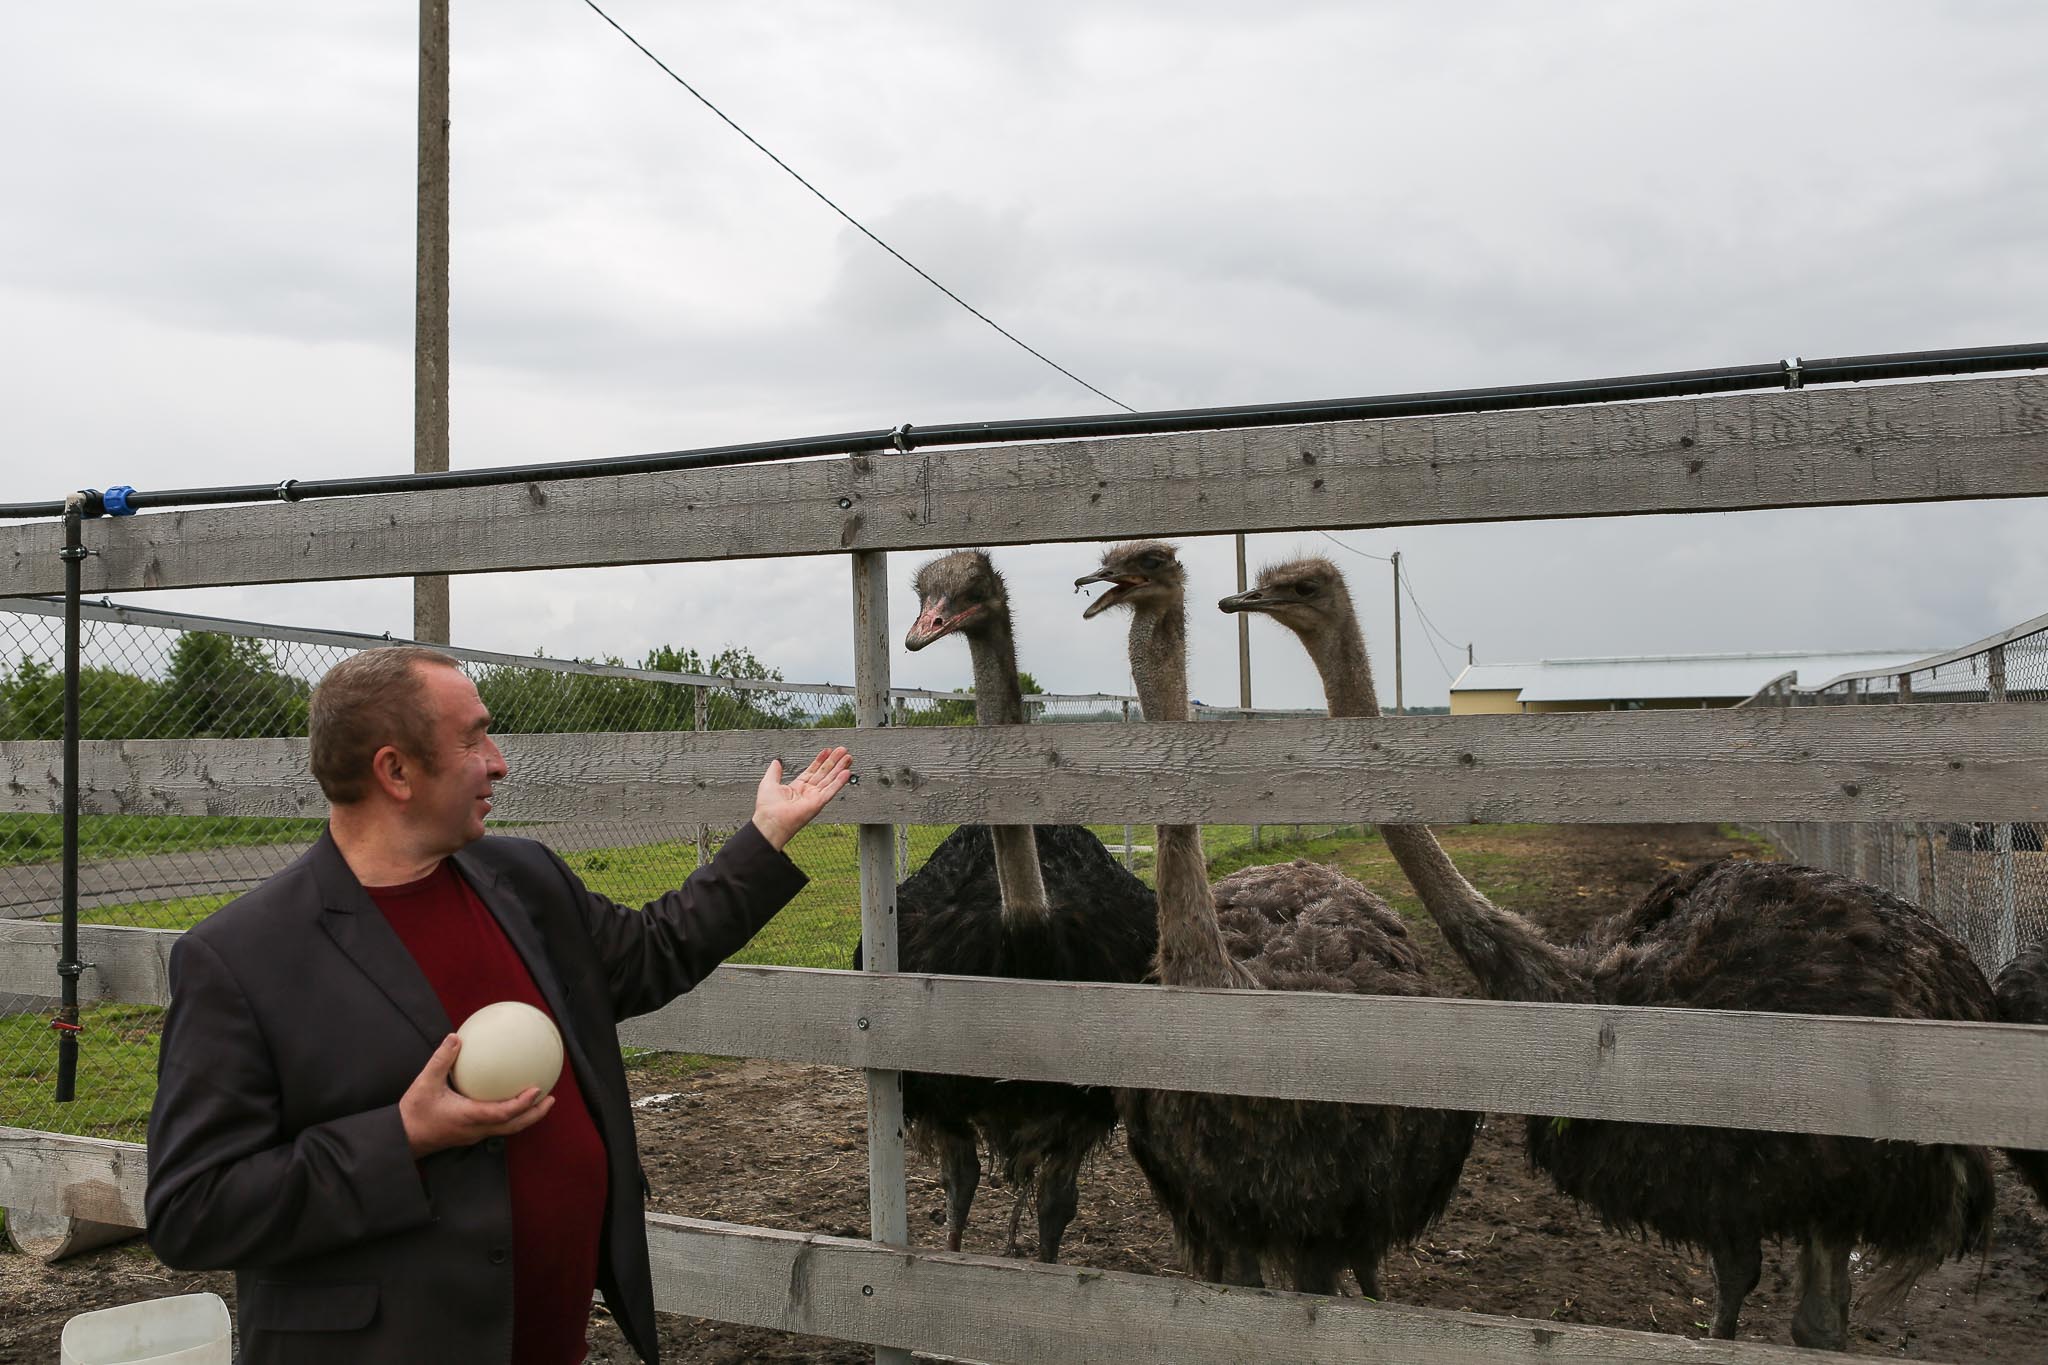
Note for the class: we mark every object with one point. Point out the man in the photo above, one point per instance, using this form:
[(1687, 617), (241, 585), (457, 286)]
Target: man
[(305, 1132)]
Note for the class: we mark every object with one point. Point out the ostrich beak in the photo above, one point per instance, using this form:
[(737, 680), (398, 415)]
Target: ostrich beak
[(1251, 600), (1120, 586), (933, 624)]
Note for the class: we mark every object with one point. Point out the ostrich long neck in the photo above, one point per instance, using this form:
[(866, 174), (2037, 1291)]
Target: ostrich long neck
[(1191, 950), (1511, 959), (999, 700)]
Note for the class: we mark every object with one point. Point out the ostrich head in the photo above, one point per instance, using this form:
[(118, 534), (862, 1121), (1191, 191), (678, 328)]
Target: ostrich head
[(1308, 596), (1144, 575), (958, 593)]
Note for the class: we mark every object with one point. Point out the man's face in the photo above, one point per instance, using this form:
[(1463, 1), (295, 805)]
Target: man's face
[(452, 800)]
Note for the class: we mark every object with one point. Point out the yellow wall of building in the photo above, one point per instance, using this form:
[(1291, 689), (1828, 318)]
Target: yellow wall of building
[(1508, 702), (1505, 702)]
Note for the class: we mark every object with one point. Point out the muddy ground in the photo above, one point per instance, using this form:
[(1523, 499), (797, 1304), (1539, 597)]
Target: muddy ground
[(782, 1146)]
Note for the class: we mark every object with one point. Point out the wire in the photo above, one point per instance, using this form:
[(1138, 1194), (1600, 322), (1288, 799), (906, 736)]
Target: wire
[(1362, 554), (1425, 635), (1408, 585), (922, 274)]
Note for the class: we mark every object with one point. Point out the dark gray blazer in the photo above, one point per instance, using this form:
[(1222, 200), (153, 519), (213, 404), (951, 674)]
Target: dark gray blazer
[(298, 1018)]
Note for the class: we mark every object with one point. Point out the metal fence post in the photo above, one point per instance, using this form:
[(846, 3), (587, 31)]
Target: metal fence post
[(68, 966), (900, 713), (700, 706), (1128, 858), (2001, 834), (888, 1215)]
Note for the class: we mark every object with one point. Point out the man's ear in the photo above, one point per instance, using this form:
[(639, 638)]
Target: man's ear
[(393, 773)]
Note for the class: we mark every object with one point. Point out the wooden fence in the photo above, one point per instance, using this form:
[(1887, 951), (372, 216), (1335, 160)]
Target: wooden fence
[(1879, 1078)]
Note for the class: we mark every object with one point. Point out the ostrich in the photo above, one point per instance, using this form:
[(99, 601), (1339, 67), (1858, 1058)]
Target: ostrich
[(2021, 989), (1048, 903), (1306, 1188), (1731, 935)]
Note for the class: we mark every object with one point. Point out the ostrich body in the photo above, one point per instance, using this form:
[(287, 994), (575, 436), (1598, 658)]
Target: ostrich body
[(1733, 935), (1250, 1183), (2021, 989), (1048, 903)]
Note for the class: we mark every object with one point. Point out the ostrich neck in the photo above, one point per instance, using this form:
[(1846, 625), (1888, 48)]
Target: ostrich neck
[(1191, 950), (1504, 951), (999, 700)]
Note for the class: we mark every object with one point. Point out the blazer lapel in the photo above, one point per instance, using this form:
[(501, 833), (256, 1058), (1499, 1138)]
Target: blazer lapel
[(520, 927), (359, 930)]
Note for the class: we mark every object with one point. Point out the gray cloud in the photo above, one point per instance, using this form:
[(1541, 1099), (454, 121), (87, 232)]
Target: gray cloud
[(207, 273)]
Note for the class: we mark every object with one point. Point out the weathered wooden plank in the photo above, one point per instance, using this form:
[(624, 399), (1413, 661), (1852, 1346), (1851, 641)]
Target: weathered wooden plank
[(129, 966), (988, 1309), (54, 1175), (1937, 441), (1982, 1083), (1961, 762), (977, 1307), (1923, 1081)]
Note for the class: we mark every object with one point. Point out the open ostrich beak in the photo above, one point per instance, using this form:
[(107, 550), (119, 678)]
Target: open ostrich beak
[(1121, 584), (933, 624), (1250, 600)]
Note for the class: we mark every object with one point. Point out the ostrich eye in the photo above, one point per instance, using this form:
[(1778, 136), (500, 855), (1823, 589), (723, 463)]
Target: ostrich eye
[(1304, 590)]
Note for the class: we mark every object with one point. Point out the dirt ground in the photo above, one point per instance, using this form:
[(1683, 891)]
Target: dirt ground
[(783, 1146)]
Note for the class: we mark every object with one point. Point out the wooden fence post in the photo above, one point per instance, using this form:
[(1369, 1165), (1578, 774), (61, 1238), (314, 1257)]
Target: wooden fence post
[(888, 1216)]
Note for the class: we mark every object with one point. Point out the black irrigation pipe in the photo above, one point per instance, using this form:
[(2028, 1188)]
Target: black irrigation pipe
[(1786, 374)]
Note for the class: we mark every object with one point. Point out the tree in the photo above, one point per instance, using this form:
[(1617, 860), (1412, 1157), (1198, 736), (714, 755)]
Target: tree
[(111, 704), (530, 701), (228, 687), (960, 710)]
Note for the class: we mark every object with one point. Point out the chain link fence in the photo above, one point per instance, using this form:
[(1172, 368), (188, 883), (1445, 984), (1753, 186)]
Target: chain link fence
[(148, 674), (1986, 883)]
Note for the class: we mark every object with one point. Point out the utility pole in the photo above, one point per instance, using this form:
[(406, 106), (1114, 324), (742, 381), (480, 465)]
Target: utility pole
[(430, 298), (1244, 637), (1399, 709)]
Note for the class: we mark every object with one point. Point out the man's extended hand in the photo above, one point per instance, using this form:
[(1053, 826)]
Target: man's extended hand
[(437, 1116), (782, 808)]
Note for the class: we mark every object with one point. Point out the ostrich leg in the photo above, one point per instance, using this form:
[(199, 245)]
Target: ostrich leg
[(1737, 1267), (1822, 1319), (1058, 1197), (1315, 1274), (960, 1168), (1367, 1269)]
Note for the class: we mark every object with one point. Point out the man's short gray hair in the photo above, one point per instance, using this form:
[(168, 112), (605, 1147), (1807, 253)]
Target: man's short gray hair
[(365, 702)]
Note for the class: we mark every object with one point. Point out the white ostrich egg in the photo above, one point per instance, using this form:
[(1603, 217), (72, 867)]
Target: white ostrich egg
[(505, 1048)]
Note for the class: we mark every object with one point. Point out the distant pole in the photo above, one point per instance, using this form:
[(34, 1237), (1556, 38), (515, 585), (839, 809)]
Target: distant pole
[(430, 298), (1244, 637), (1399, 709), (1469, 659)]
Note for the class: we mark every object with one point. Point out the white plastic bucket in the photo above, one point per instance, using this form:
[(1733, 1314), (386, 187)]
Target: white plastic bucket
[(190, 1329)]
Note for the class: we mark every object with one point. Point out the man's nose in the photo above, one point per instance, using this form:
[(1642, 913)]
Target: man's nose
[(498, 766)]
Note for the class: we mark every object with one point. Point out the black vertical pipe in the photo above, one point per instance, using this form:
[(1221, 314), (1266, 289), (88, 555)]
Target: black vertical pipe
[(68, 967)]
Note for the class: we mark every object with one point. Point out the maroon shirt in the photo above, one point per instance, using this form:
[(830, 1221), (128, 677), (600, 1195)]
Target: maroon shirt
[(556, 1168)]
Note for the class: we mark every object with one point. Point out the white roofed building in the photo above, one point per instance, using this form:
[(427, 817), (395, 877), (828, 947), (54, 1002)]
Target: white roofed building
[(1654, 682)]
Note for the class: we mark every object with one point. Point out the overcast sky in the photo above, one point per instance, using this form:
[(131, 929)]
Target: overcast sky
[(206, 275)]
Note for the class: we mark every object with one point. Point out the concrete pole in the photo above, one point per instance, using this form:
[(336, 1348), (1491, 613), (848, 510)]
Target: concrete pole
[(430, 298)]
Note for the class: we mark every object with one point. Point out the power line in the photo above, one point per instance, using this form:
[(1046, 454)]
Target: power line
[(1363, 554), (1405, 587), (1408, 582), (827, 202)]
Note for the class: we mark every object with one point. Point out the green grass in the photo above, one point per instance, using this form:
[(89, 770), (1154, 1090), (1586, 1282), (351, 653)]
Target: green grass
[(117, 1069), (40, 838), (116, 1072)]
